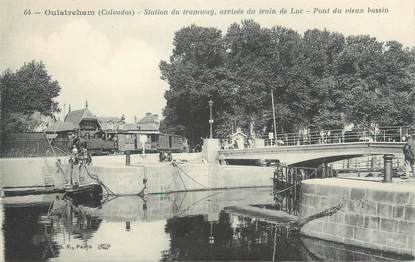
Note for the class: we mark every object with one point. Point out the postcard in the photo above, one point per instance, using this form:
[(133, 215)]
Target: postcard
[(202, 130)]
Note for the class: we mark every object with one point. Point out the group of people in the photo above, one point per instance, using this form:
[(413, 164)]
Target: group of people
[(165, 156), (236, 143), (79, 153)]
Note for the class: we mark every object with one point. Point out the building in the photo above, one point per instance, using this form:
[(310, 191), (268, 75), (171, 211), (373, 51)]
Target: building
[(82, 123), (111, 126), (239, 138), (141, 134), (114, 134), (149, 124)]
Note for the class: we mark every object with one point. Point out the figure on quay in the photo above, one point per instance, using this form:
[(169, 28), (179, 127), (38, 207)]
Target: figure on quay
[(409, 153)]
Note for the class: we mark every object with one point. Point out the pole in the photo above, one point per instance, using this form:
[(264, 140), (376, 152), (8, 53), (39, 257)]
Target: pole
[(127, 158), (400, 134), (53, 113), (273, 115), (210, 117), (387, 166)]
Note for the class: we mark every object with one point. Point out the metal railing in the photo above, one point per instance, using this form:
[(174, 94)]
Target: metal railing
[(379, 134), (368, 163), (287, 184)]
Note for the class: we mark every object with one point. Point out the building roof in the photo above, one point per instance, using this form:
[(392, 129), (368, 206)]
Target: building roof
[(77, 115), (149, 126), (149, 123), (130, 127), (238, 133), (109, 119), (60, 127), (149, 118), (110, 123)]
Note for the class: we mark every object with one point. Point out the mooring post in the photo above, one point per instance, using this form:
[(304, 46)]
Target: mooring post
[(324, 170), (127, 158), (145, 186), (387, 167)]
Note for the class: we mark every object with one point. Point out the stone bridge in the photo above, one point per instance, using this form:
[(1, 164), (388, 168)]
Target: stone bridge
[(312, 155)]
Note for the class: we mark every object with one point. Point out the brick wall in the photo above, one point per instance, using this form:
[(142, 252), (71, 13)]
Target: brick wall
[(375, 215)]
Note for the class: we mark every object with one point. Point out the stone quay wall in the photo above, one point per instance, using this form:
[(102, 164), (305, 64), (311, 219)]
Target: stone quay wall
[(161, 177), (375, 215), (165, 178), (334, 251)]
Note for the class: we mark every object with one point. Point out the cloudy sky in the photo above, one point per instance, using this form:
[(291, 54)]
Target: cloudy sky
[(112, 61)]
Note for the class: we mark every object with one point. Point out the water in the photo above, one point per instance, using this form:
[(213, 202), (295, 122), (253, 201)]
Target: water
[(169, 227)]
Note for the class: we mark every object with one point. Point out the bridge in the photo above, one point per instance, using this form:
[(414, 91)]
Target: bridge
[(314, 154)]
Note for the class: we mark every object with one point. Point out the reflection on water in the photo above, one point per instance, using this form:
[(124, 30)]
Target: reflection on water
[(180, 226)]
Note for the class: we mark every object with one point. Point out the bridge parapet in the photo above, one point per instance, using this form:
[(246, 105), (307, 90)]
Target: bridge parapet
[(314, 153), (372, 134)]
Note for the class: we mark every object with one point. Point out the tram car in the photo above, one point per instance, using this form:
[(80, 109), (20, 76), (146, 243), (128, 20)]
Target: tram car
[(100, 146), (133, 142), (150, 142)]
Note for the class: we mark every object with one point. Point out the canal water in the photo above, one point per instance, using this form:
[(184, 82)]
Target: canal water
[(168, 227)]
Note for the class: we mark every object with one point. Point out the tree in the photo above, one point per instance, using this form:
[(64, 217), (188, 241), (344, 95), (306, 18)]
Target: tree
[(320, 79), (376, 81), (27, 90), (195, 74)]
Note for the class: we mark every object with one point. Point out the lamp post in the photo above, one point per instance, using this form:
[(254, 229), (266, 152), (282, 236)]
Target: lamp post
[(210, 117), (273, 115)]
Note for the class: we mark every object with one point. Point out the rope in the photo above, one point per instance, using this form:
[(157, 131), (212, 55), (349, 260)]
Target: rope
[(285, 189), (49, 209), (275, 245), (53, 151), (181, 179), (50, 141), (184, 172), (109, 191), (327, 212), (196, 202)]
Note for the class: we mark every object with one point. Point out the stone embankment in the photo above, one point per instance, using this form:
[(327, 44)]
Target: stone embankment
[(191, 173), (375, 215)]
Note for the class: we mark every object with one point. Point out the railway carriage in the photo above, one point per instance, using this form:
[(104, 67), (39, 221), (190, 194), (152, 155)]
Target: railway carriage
[(151, 142)]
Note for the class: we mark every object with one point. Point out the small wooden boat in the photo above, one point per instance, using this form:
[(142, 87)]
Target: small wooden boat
[(84, 194), (25, 191)]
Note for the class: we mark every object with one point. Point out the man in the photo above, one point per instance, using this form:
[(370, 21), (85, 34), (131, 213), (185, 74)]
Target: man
[(409, 153)]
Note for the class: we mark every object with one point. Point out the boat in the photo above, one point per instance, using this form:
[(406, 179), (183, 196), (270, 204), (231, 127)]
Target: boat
[(85, 194)]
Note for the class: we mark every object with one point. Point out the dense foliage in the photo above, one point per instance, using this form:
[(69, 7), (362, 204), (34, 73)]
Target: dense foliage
[(30, 89), (321, 79)]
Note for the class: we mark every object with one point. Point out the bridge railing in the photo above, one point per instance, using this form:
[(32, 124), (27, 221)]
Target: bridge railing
[(368, 164), (380, 134), (287, 184)]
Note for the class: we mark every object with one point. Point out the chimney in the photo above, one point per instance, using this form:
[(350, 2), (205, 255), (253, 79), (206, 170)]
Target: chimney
[(135, 119)]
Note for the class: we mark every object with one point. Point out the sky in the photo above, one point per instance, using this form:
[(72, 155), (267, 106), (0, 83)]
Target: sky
[(112, 61)]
